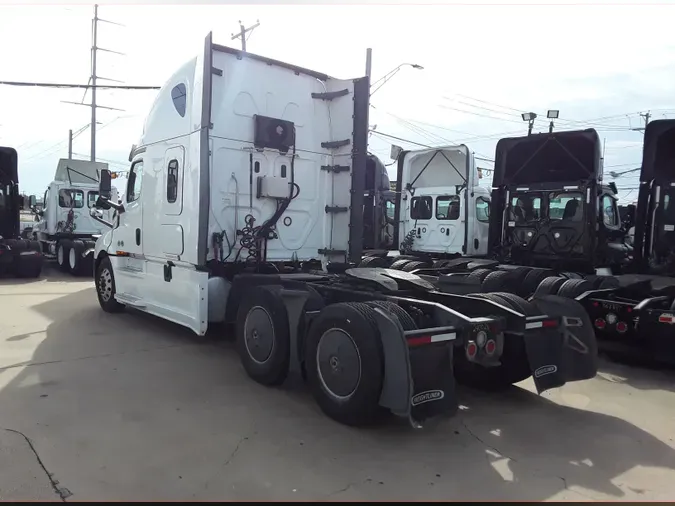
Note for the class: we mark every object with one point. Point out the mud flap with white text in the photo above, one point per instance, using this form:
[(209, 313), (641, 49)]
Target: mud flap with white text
[(433, 381), (567, 353)]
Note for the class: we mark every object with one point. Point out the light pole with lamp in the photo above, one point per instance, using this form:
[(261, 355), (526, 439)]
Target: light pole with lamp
[(529, 117), (552, 114), (383, 80)]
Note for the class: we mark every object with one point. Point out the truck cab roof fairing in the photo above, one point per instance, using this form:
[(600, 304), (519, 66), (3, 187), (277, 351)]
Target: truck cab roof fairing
[(548, 158), (8, 165), (658, 155)]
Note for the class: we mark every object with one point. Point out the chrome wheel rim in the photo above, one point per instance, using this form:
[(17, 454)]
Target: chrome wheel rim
[(105, 285)]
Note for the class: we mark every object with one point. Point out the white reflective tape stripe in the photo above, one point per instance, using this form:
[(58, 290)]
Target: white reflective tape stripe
[(534, 325), (439, 338)]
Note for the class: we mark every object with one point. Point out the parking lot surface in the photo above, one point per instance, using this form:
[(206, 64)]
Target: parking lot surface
[(129, 407)]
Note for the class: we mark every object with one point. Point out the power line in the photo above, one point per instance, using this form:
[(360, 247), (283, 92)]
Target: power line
[(401, 139), (80, 86)]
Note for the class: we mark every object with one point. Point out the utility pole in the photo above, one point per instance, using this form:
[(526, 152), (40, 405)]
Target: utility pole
[(93, 79), (70, 144), (369, 62), (646, 116), (94, 50), (242, 33)]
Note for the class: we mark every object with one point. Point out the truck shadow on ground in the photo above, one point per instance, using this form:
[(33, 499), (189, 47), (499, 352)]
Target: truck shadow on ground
[(118, 390), (640, 374), (50, 274)]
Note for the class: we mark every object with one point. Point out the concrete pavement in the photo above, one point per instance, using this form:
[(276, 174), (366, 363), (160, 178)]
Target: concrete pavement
[(128, 407)]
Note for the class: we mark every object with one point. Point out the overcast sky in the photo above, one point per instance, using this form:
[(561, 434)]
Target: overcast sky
[(483, 65)]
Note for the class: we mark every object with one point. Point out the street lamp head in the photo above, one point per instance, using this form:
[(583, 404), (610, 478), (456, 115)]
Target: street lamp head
[(529, 116), (415, 66), (552, 114)]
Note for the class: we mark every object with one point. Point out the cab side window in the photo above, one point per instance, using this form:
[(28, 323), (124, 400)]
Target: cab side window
[(609, 211), (482, 209), (172, 182), (135, 181), (71, 199)]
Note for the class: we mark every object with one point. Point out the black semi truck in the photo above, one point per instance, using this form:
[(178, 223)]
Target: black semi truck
[(18, 257)]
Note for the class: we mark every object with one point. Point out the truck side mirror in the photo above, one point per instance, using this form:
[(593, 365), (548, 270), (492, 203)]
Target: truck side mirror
[(105, 184), (32, 201), (105, 193)]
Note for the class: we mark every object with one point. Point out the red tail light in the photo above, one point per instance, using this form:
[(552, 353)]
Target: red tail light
[(471, 349), (621, 327), (600, 323), (490, 347)]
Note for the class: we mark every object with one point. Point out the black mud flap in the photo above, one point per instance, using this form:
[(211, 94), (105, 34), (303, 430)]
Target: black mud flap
[(563, 354), (419, 382), (433, 382)]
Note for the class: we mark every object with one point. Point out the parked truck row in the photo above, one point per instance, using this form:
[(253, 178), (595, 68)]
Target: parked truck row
[(250, 200), (550, 225)]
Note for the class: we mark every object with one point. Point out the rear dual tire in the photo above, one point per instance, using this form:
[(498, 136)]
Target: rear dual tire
[(342, 352), (63, 254), (79, 264)]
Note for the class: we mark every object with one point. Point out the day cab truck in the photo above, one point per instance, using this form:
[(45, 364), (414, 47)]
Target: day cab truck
[(437, 210), (66, 231), (18, 257), (555, 226), (244, 209)]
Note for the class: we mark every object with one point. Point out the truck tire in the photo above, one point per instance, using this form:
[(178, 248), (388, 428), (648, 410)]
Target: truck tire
[(63, 254), (549, 286), (514, 367), (373, 262), (572, 288), (532, 281), (497, 281), (29, 267), (346, 334), (105, 287), (263, 335), (414, 265), (399, 264), (397, 311), (479, 274), (75, 260)]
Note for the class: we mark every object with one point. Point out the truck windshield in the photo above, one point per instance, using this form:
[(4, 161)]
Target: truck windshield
[(525, 207), (565, 206)]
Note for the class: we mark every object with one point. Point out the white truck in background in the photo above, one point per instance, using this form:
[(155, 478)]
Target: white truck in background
[(440, 207), (437, 208), (66, 230)]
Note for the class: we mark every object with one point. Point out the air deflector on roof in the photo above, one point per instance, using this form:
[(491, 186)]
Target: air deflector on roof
[(548, 158), (658, 155)]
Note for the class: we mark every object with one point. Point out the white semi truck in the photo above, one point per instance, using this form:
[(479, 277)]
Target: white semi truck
[(245, 206), (66, 230)]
